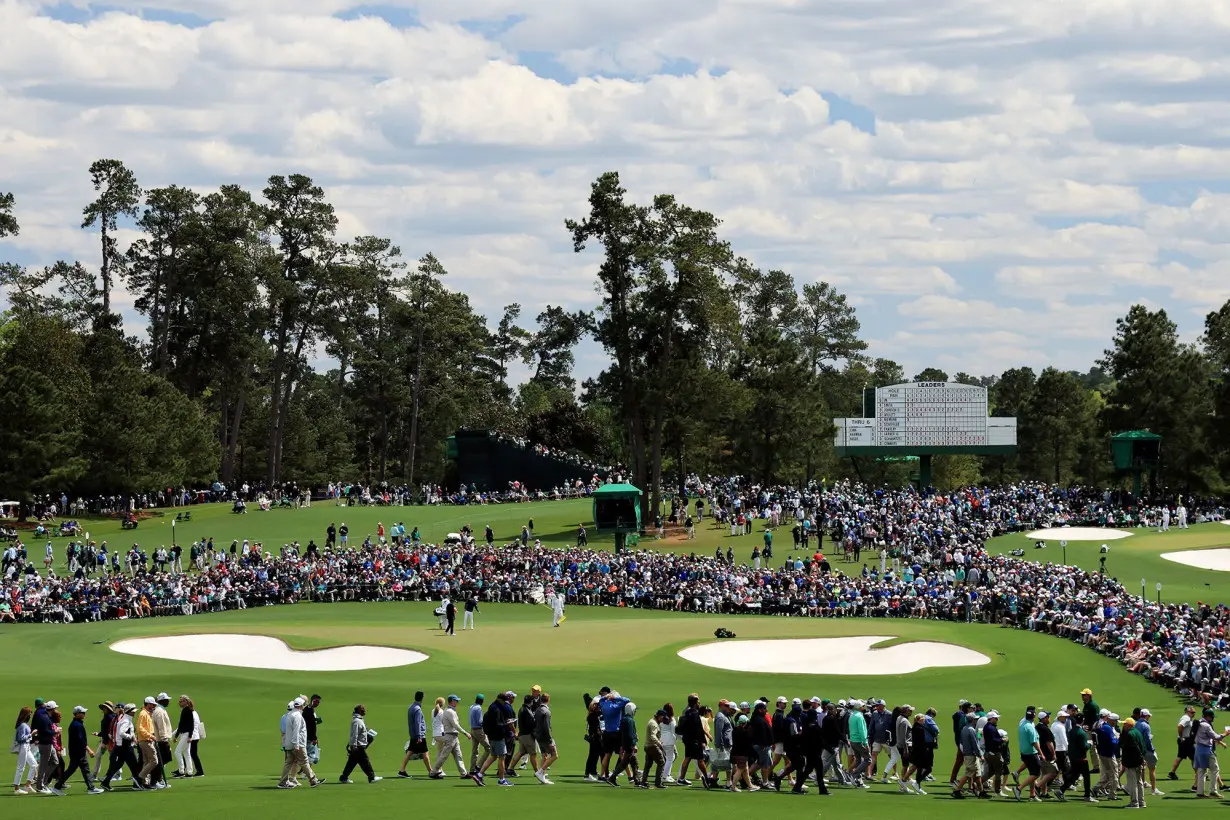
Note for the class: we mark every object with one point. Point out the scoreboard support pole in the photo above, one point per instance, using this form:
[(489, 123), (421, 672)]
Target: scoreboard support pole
[(924, 472)]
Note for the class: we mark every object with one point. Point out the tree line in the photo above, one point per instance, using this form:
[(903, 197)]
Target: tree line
[(716, 365)]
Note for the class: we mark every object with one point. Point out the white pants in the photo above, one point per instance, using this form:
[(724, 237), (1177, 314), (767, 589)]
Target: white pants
[(26, 765), (467, 620), (183, 756), (668, 752), (894, 757), (556, 615)]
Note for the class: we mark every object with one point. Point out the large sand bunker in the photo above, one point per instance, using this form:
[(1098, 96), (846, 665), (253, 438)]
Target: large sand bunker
[(1218, 559), (1077, 534), (830, 656), (259, 652)]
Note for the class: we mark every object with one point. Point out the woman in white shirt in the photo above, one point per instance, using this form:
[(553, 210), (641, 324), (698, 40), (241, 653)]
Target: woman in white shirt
[(437, 727), (669, 739)]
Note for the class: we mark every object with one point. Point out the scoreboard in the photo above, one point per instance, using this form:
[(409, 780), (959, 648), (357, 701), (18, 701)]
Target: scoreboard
[(926, 417)]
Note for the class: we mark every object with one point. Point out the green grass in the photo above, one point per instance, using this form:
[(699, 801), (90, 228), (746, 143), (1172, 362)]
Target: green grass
[(1140, 556), (555, 522), (515, 647)]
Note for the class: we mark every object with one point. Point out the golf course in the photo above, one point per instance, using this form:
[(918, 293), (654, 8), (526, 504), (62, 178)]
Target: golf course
[(514, 647)]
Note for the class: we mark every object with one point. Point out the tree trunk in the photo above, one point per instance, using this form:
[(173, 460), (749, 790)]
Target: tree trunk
[(105, 269), (414, 410), (275, 400), (231, 444)]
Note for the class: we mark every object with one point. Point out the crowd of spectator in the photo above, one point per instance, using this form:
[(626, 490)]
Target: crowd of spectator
[(921, 556)]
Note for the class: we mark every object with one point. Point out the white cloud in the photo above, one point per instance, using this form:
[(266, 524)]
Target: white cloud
[(1006, 206)]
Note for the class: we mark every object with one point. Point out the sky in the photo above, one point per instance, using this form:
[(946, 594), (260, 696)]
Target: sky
[(991, 183)]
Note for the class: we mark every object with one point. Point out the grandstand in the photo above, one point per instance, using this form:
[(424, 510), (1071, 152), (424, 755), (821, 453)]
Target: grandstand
[(489, 460)]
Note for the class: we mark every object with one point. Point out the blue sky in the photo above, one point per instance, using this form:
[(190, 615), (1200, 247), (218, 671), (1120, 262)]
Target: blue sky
[(992, 185)]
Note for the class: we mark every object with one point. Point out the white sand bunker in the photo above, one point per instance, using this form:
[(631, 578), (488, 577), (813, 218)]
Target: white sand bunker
[(1077, 534), (1218, 559), (830, 656), (259, 652)]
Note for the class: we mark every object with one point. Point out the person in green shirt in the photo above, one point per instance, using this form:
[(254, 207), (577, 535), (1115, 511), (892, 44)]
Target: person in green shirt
[(1078, 753), (1132, 752), (1089, 712)]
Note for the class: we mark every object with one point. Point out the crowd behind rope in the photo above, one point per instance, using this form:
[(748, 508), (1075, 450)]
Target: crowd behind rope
[(927, 560)]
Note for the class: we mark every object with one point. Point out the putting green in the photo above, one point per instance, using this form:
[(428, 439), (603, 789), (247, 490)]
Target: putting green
[(1131, 559)]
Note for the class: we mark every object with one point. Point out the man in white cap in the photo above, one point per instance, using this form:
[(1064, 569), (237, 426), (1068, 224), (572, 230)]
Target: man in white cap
[(163, 732), (1144, 726), (147, 742), (294, 741)]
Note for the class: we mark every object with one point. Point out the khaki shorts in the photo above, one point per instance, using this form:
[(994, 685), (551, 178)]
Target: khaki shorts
[(1049, 767), (971, 765), (526, 745)]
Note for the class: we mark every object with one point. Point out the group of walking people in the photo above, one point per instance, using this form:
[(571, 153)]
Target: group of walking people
[(139, 738)]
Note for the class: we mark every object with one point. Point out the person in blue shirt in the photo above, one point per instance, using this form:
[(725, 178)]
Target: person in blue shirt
[(417, 747), (1146, 732), (478, 737), (612, 709), (1108, 749)]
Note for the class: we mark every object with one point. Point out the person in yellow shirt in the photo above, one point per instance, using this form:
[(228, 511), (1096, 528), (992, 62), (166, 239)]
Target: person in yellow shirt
[(147, 742)]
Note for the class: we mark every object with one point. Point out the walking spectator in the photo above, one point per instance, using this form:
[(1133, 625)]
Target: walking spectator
[(27, 765), (356, 748)]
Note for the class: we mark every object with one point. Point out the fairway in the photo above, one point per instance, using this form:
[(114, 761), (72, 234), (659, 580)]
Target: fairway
[(515, 647)]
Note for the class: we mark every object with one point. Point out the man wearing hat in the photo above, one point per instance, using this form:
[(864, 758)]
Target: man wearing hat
[(79, 753), (294, 741), (107, 714), (163, 732), (122, 739), (147, 743), (1187, 740), (1144, 726), (1078, 752), (1108, 750), (1089, 712), (1046, 743), (964, 707), (43, 736), (1132, 750), (478, 738), (1205, 763), (1031, 753), (449, 743)]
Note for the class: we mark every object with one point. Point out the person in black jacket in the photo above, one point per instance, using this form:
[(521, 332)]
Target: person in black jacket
[(593, 736), (450, 613), (762, 743), (814, 745), (692, 731), (107, 708), (312, 721), (79, 752)]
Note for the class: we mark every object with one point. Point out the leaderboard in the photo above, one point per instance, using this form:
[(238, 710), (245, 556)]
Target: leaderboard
[(931, 414), (922, 415)]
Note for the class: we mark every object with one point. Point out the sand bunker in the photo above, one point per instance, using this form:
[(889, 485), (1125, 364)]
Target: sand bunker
[(1077, 534), (1218, 559), (830, 656), (258, 652)]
